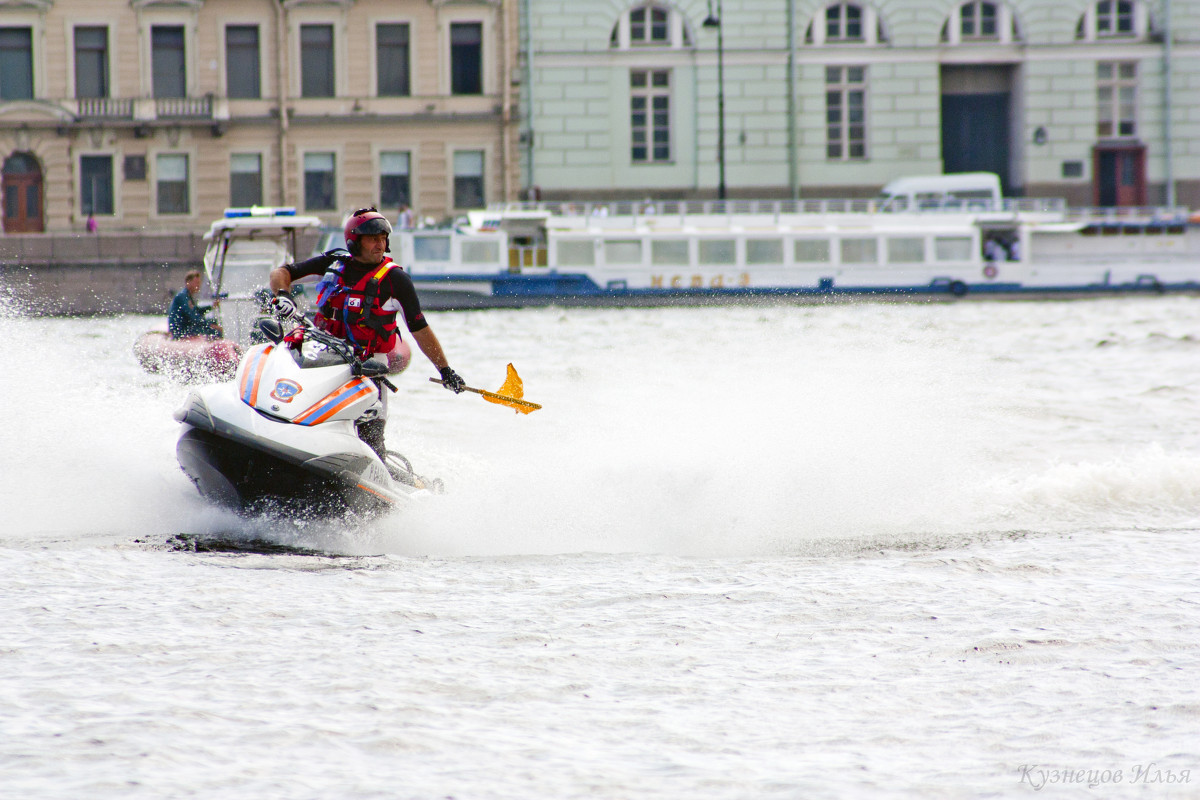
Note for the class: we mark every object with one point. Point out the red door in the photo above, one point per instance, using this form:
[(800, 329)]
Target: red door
[(1120, 175), (21, 187)]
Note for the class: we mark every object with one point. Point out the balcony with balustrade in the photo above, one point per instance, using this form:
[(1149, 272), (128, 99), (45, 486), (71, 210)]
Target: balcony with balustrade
[(205, 108), (141, 113)]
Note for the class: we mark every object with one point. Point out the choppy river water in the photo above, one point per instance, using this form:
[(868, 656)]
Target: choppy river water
[(857, 549)]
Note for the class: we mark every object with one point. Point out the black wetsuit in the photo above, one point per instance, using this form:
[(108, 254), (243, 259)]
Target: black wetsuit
[(395, 285)]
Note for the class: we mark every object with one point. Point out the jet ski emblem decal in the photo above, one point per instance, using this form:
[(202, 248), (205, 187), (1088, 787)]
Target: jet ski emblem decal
[(285, 390)]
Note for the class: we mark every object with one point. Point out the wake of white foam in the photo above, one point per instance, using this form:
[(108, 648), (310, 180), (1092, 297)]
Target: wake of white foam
[(699, 431), (1149, 488)]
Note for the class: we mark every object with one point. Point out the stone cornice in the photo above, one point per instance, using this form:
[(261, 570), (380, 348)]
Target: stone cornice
[(16, 112), (294, 4), (141, 5), (41, 6), (441, 3)]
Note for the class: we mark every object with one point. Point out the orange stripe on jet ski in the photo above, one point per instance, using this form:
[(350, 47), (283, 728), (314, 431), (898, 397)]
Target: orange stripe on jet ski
[(248, 388), (335, 409), (377, 494), (258, 374), (334, 402)]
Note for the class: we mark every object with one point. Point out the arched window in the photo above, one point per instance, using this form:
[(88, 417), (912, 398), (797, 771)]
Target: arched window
[(845, 23), (980, 21), (648, 26), (1114, 19)]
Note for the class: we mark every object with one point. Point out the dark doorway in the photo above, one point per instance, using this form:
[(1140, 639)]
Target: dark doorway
[(977, 120), (1120, 172), (975, 134), (21, 187)]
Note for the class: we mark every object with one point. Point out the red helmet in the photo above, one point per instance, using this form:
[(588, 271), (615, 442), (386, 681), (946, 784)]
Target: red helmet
[(366, 222)]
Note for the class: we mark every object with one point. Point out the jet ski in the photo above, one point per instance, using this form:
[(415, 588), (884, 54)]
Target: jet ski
[(282, 434)]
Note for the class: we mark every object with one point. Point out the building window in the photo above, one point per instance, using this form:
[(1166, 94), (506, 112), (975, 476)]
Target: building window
[(1116, 98), (468, 179), (394, 179), (172, 176), (981, 21), (1114, 18), (167, 57), (978, 20), (846, 23), (96, 185), (91, 62), (316, 61), (843, 23), (241, 62), (391, 60), (650, 115), (319, 182), (845, 113), (16, 63), (648, 26), (466, 58), (245, 179)]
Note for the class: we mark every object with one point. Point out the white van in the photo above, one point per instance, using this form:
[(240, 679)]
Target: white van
[(960, 190)]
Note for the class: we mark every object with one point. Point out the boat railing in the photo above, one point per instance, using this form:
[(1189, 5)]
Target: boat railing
[(1130, 215), (647, 210)]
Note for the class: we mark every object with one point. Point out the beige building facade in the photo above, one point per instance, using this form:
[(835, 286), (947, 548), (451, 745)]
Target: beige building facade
[(156, 116)]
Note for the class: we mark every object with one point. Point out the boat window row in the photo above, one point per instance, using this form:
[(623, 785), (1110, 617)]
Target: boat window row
[(440, 247), (750, 250)]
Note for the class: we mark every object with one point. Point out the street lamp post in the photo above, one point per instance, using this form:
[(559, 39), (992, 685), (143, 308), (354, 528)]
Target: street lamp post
[(716, 22)]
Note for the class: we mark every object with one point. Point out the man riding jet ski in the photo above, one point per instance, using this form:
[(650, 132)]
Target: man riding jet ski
[(361, 292), (303, 421)]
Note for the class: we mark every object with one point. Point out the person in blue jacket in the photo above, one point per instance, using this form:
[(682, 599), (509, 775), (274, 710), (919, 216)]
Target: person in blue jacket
[(186, 317)]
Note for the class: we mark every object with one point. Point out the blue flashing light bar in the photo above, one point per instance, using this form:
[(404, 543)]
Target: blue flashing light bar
[(261, 211)]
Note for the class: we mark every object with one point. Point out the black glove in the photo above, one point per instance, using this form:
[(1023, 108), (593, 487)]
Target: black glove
[(340, 253), (451, 380), (283, 306)]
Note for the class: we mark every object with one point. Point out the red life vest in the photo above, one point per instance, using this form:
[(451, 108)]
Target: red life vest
[(354, 313)]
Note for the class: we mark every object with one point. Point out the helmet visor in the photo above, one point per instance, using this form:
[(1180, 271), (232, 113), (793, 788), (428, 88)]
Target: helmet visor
[(373, 226)]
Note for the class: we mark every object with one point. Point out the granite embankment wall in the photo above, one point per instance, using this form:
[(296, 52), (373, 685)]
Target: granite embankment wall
[(82, 274), (106, 273)]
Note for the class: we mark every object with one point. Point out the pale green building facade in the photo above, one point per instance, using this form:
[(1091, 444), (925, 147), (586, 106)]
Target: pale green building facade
[(1094, 100)]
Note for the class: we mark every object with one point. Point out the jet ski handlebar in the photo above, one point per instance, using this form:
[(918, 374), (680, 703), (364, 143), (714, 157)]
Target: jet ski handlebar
[(359, 367)]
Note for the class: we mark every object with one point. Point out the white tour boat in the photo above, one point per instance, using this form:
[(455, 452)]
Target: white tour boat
[(949, 234)]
